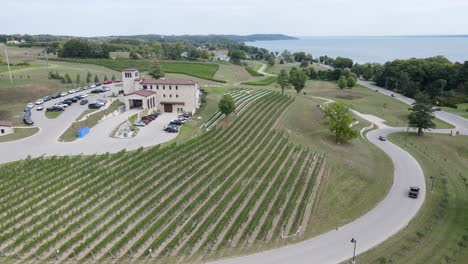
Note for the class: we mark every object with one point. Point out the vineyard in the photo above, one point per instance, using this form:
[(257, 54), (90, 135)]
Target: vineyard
[(229, 187)]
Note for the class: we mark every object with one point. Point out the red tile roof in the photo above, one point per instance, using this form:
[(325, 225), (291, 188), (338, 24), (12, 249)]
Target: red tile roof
[(130, 69), (168, 82), (144, 93), (5, 123)]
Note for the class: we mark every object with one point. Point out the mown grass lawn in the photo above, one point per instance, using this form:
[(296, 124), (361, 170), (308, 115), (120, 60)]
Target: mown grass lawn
[(439, 232), (462, 110), (53, 115), (358, 174), (262, 82), (20, 133)]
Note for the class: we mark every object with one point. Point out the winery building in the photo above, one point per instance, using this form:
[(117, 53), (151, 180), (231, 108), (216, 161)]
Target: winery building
[(171, 96)]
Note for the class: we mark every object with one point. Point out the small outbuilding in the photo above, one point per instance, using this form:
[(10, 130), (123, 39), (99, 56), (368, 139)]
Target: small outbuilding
[(141, 99), (6, 128)]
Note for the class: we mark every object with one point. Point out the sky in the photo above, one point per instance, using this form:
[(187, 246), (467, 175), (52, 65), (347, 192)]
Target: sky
[(176, 17)]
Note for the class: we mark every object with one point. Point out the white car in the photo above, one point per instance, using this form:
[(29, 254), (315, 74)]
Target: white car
[(62, 94), (72, 91), (61, 105), (83, 96), (30, 105), (39, 102), (39, 108), (92, 86)]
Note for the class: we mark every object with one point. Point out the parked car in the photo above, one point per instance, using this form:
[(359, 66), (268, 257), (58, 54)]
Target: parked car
[(171, 129), (83, 102), (72, 91), (437, 109), (39, 102), (105, 88), (62, 94), (39, 108), (68, 101), (61, 105), (30, 105), (73, 99), (27, 114), (413, 192), (55, 108), (139, 124), (83, 96), (382, 138), (98, 84), (102, 101), (392, 95), (46, 98), (94, 105), (55, 96), (176, 122), (28, 121), (92, 86), (98, 90), (107, 82)]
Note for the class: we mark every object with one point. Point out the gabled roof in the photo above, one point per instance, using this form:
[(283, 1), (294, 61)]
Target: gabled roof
[(144, 93), (130, 69), (168, 82), (5, 123)]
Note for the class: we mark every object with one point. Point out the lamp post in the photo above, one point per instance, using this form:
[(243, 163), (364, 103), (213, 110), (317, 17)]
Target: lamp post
[(354, 251)]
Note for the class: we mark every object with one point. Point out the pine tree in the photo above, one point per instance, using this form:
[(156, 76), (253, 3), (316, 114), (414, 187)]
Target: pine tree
[(88, 77), (78, 78), (421, 113), (113, 77), (105, 77), (96, 78), (156, 71)]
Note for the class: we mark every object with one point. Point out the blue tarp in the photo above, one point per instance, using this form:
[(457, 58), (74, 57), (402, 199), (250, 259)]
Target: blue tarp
[(82, 132)]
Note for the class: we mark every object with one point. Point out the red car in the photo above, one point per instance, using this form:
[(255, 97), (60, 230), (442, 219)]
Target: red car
[(108, 82)]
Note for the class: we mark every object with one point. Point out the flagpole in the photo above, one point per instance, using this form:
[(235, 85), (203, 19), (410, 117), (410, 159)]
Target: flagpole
[(8, 63)]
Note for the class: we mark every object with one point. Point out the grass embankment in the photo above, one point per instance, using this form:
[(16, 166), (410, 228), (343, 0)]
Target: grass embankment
[(439, 233), (367, 101), (20, 133), (197, 69), (358, 174), (52, 115), (263, 82), (71, 133), (253, 72)]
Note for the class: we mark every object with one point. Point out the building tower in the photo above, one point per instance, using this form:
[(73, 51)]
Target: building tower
[(128, 79)]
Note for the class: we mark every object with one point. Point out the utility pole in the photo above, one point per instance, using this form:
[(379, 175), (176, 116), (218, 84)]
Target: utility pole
[(8, 63)]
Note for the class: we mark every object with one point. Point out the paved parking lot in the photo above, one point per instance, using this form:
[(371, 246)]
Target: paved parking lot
[(99, 141)]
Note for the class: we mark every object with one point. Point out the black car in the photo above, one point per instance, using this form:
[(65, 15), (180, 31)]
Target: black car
[(78, 97), (98, 84), (83, 102), (73, 99), (94, 106), (67, 102), (55, 96), (413, 192), (176, 122), (28, 121), (171, 129), (98, 90), (55, 109)]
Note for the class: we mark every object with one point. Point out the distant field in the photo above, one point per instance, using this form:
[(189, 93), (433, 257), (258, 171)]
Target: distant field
[(439, 232), (201, 70)]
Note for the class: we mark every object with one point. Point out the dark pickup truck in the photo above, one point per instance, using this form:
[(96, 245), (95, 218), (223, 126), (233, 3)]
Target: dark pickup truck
[(413, 192)]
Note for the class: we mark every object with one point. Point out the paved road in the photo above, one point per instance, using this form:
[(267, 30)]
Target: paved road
[(97, 142), (459, 122)]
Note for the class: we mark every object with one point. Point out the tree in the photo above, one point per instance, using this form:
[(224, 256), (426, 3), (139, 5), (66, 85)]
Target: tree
[(342, 82), (338, 118), (226, 104), (88, 77), (96, 78), (350, 82), (133, 55), (271, 61), (283, 80), (287, 56), (236, 55), (156, 71), (297, 79), (78, 79), (105, 78), (67, 78), (421, 113), (304, 64), (436, 88), (299, 56), (113, 77)]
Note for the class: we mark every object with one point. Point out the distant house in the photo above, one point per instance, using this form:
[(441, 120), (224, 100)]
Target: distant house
[(221, 57), (14, 41), (6, 127), (184, 54)]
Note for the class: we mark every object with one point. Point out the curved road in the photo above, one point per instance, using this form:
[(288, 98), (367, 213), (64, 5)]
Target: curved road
[(386, 219)]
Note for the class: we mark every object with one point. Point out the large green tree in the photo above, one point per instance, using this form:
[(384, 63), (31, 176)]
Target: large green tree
[(342, 82), (226, 104), (350, 82), (283, 80), (156, 71), (297, 78), (338, 118), (421, 113)]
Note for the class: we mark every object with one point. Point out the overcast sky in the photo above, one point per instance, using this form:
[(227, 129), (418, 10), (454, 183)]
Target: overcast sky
[(291, 17)]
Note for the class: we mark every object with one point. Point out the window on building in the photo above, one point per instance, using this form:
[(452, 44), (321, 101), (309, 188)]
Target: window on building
[(145, 87), (170, 95), (154, 103), (151, 87), (164, 95), (170, 87), (3, 131), (177, 96), (177, 87), (157, 87), (164, 87)]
